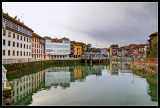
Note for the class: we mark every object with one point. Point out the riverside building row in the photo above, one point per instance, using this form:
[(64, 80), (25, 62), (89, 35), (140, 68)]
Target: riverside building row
[(21, 44)]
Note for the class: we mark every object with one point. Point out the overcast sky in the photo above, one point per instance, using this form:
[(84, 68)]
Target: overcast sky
[(98, 23)]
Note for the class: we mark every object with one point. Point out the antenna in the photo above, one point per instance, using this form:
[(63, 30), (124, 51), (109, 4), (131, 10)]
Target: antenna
[(22, 17)]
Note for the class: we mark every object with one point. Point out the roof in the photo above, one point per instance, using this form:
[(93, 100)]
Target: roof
[(114, 45), (16, 21), (65, 38), (154, 34), (36, 35), (142, 44), (56, 40), (47, 37), (78, 43)]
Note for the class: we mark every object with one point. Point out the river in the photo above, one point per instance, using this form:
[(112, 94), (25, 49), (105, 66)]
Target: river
[(111, 84)]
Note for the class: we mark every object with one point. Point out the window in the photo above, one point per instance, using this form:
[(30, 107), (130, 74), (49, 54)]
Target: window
[(21, 37), (13, 44), (9, 34), (4, 32), (3, 52), (35, 45), (8, 52), (24, 45), (21, 45), (17, 44), (18, 37), (27, 39), (27, 53), (13, 53), (24, 53), (21, 53), (17, 53), (4, 42), (24, 38), (30, 40), (27, 46), (14, 35), (9, 43)]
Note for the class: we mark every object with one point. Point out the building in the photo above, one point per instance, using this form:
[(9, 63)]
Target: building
[(16, 40), (105, 52), (142, 50), (130, 52), (56, 48), (135, 51), (153, 40), (139, 51), (78, 49), (114, 50), (37, 47), (72, 49)]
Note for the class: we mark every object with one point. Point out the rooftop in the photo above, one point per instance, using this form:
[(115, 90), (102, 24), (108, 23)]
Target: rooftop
[(16, 21)]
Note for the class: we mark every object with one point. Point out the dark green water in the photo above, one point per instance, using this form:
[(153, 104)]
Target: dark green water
[(109, 84)]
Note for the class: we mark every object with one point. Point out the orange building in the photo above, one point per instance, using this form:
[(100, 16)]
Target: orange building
[(37, 47)]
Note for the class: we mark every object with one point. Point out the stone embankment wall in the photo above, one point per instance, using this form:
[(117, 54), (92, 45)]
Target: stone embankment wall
[(145, 67), (14, 67)]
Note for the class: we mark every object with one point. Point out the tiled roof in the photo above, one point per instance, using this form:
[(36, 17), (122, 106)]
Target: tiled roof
[(56, 40), (16, 21), (65, 38), (154, 34), (46, 37), (36, 35)]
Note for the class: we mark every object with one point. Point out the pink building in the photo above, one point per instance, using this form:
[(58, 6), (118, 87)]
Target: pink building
[(37, 47)]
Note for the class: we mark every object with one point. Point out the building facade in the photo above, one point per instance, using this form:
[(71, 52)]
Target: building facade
[(153, 40), (78, 49), (37, 47), (16, 40), (57, 48), (114, 50)]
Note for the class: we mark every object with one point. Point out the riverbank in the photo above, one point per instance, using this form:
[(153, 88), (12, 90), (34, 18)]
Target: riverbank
[(149, 67), (15, 67)]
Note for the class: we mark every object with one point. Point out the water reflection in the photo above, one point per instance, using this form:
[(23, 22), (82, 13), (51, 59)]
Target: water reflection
[(25, 86), (152, 81)]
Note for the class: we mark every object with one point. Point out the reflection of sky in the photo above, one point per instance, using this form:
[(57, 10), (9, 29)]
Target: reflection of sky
[(102, 90)]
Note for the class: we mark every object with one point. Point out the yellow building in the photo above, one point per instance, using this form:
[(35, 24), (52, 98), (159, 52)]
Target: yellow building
[(113, 50), (77, 72), (77, 50)]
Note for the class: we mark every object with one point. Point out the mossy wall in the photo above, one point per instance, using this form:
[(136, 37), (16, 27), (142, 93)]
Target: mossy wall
[(14, 67)]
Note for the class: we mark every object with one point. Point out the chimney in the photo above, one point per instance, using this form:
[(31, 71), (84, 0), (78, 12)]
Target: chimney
[(15, 17)]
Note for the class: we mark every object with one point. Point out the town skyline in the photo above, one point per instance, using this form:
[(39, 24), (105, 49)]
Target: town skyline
[(86, 22)]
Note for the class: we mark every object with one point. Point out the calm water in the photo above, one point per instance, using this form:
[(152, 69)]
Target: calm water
[(110, 84)]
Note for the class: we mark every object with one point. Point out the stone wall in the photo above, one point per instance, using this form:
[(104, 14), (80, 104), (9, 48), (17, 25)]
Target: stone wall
[(146, 67)]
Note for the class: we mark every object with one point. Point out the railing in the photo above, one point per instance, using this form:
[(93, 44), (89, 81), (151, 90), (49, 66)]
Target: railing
[(10, 61)]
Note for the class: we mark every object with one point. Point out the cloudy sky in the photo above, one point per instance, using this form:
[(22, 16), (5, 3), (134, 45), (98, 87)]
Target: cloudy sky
[(98, 23)]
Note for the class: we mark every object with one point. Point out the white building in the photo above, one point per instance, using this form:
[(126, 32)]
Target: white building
[(16, 40), (57, 48)]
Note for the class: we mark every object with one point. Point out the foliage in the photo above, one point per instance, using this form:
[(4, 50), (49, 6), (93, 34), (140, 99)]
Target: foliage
[(154, 52)]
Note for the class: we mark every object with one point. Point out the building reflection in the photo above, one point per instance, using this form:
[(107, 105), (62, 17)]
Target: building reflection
[(56, 79), (124, 67), (24, 87), (114, 68)]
